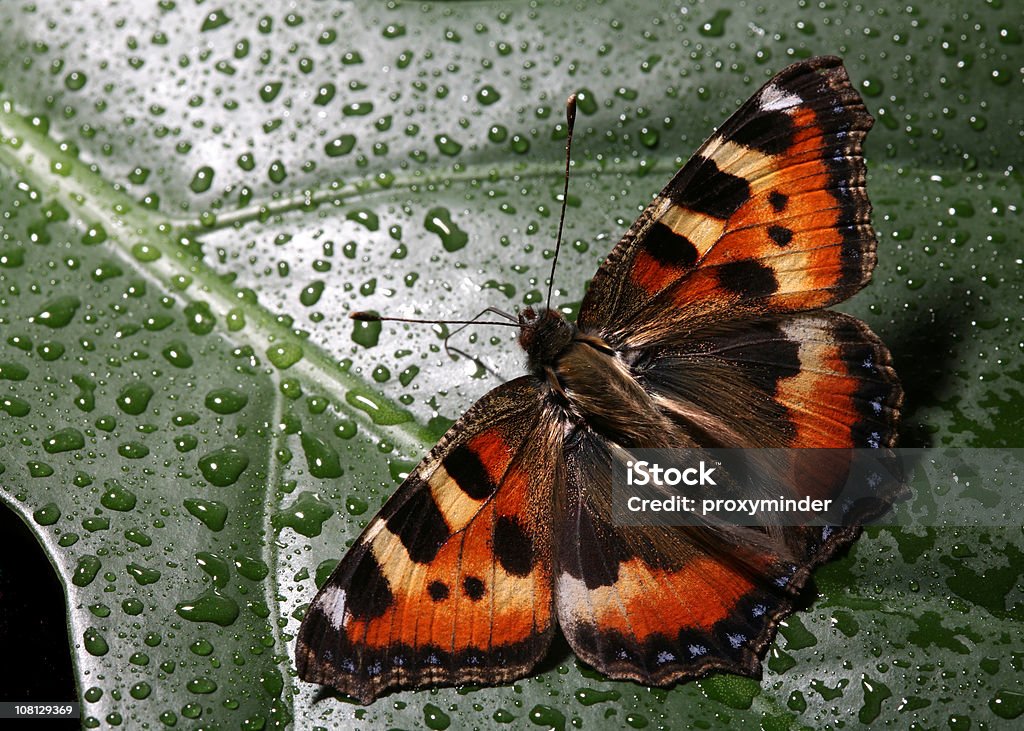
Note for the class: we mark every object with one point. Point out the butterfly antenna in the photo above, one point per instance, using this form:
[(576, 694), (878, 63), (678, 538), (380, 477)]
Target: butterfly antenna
[(509, 321), (570, 118)]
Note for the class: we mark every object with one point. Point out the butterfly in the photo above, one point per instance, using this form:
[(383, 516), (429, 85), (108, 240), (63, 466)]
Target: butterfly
[(705, 326)]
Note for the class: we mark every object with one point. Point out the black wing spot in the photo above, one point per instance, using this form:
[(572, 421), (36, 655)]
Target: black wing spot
[(420, 525), (473, 587), (778, 200), (512, 546), (369, 595), (669, 248), (711, 191), (438, 591), (464, 466), (780, 235), (769, 132), (749, 278)]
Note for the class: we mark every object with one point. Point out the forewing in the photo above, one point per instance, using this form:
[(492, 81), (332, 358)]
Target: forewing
[(769, 216), (451, 582)]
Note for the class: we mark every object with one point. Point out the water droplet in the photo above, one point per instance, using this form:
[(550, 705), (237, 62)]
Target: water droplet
[(365, 217), (57, 312), (201, 686), (357, 109), (14, 406), (487, 95), (38, 469), (311, 293), (305, 516), (95, 643), (284, 355), (212, 513), (439, 221), (224, 466), (176, 353), (321, 458), (47, 515), (215, 19), (132, 450), (211, 606), (85, 570), (447, 145), (356, 506), (339, 146), (1007, 704), (226, 400), (541, 715), (381, 412), (251, 568), (435, 718), (65, 440), (874, 693), (216, 567), (590, 696), (136, 536), (143, 575), (140, 691), (13, 371), (117, 497), (586, 102), (199, 318), (715, 28), (202, 180)]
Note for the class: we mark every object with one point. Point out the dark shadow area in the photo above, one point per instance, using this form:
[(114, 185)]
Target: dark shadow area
[(924, 348), (33, 620)]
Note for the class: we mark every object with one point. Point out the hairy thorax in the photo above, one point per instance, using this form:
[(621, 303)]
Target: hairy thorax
[(593, 382)]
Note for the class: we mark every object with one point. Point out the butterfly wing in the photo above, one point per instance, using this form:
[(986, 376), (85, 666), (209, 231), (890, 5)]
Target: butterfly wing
[(659, 604), (711, 298), (770, 215), (451, 582)]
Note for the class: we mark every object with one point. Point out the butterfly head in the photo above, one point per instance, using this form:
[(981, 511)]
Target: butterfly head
[(543, 334)]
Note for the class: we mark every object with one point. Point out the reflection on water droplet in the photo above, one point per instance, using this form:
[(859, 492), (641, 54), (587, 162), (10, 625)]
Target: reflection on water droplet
[(85, 570), (224, 466), (65, 440), (47, 515), (251, 567), (541, 715), (202, 686), (321, 458), (211, 606), (439, 221), (379, 411), (213, 514), (57, 312), (435, 718), (715, 27), (94, 642), (226, 400), (305, 516), (117, 497)]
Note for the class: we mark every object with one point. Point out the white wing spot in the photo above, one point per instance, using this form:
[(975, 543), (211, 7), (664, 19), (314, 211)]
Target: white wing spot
[(774, 98), (332, 604)]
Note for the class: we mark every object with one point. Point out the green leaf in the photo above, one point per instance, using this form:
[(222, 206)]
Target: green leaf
[(194, 197)]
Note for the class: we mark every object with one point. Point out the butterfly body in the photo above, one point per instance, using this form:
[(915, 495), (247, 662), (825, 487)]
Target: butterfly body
[(705, 326)]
